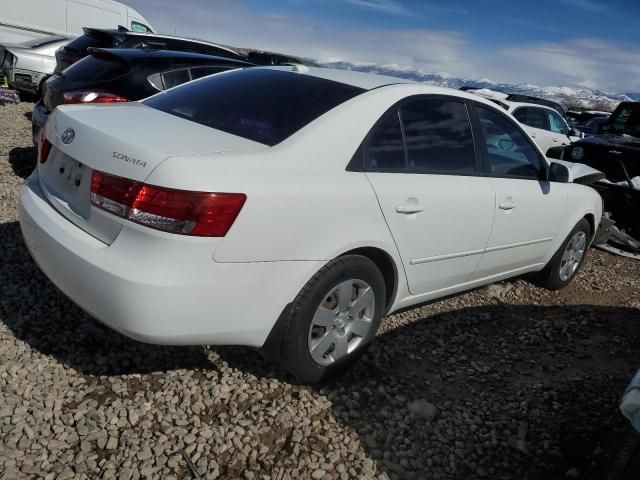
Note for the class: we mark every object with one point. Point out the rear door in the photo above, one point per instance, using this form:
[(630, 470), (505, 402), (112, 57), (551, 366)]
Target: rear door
[(421, 161), (536, 123), (529, 209)]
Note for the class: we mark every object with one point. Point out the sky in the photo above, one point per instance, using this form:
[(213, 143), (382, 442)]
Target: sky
[(590, 43)]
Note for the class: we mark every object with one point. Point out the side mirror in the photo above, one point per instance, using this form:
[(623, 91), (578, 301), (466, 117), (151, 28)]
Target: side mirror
[(558, 173), (573, 132)]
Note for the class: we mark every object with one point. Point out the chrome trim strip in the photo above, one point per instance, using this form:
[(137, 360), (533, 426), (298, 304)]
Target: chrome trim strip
[(519, 244), (448, 256)]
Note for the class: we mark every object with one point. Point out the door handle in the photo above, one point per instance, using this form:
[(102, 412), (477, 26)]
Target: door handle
[(408, 208), (533, 135), (507, 204)]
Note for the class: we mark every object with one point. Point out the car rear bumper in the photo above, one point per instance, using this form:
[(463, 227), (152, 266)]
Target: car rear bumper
[(164, 289)]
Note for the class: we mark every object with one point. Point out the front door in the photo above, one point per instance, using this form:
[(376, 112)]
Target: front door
[(529, 210)]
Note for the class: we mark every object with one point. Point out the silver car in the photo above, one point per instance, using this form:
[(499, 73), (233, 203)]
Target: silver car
[(26, 65)]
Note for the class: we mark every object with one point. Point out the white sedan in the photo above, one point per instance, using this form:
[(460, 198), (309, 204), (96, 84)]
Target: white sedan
[(291, 208)]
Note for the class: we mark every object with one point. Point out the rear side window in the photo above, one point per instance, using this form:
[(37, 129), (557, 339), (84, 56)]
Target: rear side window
[(438, 137), (100, 69), (533, 117), (263, 105), (385, 150), (175, 78)]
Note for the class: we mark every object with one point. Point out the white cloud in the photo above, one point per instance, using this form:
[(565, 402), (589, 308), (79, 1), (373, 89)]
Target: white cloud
[(386, 6), (587, 5), (587, 61)]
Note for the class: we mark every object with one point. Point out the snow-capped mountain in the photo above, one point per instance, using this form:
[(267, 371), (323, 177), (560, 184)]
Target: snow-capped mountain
[(587, 97)]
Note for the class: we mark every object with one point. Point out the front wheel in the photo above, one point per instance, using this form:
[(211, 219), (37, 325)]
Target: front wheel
[(333, 318), (566, 262)]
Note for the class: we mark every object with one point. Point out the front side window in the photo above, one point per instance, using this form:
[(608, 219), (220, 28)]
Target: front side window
[(509, 153), (140, 27), (438, 137), (532, 117), (385, 150), (556, 124)]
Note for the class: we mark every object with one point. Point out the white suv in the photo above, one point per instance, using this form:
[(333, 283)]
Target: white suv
[(544, 124)]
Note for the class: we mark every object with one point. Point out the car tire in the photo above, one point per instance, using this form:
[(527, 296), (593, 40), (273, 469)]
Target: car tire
[(333, 318), (566, 262)]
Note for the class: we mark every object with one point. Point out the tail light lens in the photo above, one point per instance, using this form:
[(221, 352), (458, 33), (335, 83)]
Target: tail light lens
[(201, 214), (44, 147), (92, 96)]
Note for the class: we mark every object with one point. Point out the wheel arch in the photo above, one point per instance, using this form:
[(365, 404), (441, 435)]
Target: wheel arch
[(591, 219), (387, 267)]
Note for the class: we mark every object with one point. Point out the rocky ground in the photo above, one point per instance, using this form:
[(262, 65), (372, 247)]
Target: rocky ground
[(508, 382)]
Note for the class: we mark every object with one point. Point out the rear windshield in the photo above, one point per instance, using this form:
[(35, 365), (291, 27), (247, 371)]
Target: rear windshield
[(263, 105), (99, 69)]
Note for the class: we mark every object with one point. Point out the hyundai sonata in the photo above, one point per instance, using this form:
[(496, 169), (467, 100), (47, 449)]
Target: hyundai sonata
[(291, 208)]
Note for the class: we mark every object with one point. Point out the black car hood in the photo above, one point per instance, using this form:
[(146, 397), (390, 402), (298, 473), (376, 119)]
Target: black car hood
[(613, 141)]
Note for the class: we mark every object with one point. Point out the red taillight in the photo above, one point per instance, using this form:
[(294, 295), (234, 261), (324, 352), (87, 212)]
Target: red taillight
[(92, 96), (44, 147), (177, 211)]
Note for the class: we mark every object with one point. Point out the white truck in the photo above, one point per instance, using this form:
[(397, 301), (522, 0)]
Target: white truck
[(32, 30), (24, 20)]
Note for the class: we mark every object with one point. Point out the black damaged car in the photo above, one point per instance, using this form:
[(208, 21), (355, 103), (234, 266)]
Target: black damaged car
[(615, 151)]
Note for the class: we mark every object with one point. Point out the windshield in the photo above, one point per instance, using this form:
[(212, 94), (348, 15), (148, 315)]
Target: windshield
[(259, 104), (626, 120)]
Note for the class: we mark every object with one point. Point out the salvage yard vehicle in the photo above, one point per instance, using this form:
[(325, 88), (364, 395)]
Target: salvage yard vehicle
[(27, 65), (592, 127), (122, 75), (24, 20), (578, 118), (291, 208), (122, 38), (540, 118), (616, 153)]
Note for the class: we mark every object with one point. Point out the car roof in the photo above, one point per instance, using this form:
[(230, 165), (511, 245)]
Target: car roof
[(122, 33), (137, 54), (366, 81)]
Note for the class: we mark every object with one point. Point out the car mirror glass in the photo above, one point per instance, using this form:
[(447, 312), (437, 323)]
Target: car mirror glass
[(558, 173)]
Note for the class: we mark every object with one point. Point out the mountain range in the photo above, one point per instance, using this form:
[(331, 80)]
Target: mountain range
[(565, 95)]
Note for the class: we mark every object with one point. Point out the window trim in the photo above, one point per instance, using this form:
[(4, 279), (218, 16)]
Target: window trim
[(544, 165), (358, 161)]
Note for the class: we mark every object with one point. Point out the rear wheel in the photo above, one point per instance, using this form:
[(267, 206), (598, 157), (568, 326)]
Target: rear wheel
[(566, 262), (333, 318)]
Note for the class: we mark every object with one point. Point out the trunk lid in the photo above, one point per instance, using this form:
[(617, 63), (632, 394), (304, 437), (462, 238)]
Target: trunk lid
[(127, 140)]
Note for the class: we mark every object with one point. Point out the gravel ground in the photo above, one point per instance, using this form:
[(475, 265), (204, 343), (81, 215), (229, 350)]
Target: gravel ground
[(506, 382)]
